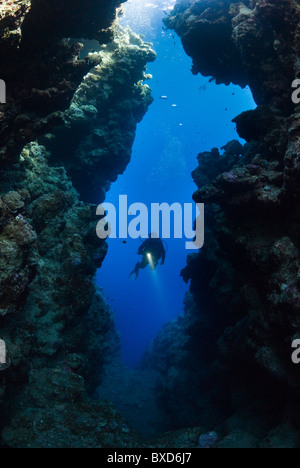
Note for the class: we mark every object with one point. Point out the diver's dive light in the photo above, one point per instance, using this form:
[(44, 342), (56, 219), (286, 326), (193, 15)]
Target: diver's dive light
[(150, 260)]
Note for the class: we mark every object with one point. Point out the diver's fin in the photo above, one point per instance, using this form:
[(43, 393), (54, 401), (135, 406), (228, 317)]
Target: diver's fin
[(134, 273)]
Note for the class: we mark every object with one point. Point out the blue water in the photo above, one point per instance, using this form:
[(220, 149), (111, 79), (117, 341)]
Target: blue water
[(164, 155)]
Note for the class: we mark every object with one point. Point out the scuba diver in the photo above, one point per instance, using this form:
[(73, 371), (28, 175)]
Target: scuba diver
[(152, 250)]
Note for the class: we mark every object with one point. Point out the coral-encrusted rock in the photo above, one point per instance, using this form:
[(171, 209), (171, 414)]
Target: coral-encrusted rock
[(206, 32), (41, 64), (99, 128), (58, 329), (17, 266), (253, 43), (4, 213), (13, 200), (59, 416), (54, 323), (21, 230)]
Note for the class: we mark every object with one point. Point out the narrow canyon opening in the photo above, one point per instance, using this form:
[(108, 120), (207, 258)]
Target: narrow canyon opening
[(182, 121), (149, 103)]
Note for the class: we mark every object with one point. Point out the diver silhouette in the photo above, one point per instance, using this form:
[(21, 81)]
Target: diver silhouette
[(152, 250)]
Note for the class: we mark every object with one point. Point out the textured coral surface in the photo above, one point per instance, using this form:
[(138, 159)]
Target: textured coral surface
[(58, 330), (40, 62)]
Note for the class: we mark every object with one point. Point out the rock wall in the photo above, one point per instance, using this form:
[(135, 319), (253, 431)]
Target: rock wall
[(251, 42), (40, 63), (98, 132), (58, 330), (227, 363)]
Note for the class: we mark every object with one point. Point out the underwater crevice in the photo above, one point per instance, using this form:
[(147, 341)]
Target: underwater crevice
[(225, 366)]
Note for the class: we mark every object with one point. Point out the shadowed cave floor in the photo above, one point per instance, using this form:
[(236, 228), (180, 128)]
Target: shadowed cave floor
[(132, 391)]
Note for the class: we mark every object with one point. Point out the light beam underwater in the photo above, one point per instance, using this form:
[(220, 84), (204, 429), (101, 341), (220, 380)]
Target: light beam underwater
[(150, 260)]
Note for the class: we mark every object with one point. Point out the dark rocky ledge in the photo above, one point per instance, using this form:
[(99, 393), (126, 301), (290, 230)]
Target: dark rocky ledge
[(251, 42)]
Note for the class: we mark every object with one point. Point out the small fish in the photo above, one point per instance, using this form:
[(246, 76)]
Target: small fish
[(124, 242), (164, 98)]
